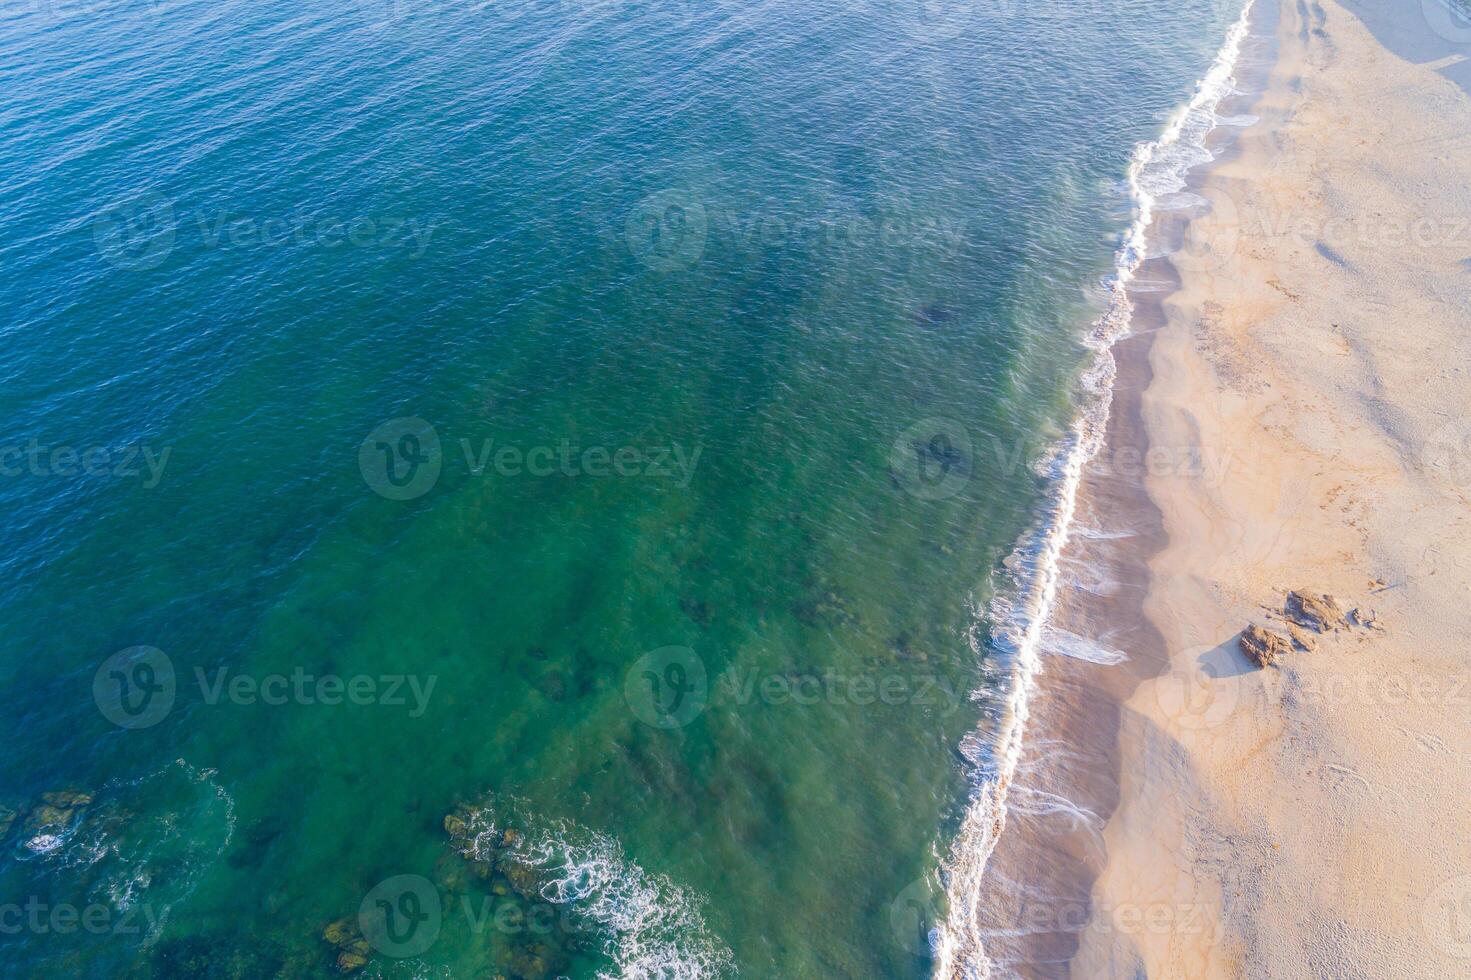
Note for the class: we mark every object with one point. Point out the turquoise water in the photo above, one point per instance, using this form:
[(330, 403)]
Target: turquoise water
[(598, 424)]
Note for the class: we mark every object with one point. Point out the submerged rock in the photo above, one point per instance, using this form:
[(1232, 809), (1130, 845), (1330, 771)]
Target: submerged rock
[(349, 961), (1316, 612), (1262, 647), (523, 879), (828, 609), (467, 828), (47, 825), (698, 610), (903, 649), (536, 960), (456, 826), (258, 840), (48, 818), (346, 937), (487, 851), (487, 848), (342, 931), (7, 820), (473, 834), (934, 314)]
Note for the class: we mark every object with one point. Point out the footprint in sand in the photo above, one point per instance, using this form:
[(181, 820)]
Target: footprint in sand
[(1340, 776), (1425, 741)]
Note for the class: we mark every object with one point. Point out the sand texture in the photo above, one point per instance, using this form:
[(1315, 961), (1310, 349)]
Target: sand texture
[(1313, 818)]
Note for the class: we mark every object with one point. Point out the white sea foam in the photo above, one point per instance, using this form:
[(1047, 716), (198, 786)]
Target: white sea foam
[(1179, 201), (1099, 534), (1089, 577), (1040, 803), (1069, 644), (1020, 614), (650, 927), (1152, 286), (177, 820)]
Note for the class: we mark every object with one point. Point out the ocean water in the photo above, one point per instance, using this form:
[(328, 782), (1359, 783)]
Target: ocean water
[(533, 489)]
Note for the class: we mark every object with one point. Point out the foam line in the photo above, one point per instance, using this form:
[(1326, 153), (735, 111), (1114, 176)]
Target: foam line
[(1020, 614)]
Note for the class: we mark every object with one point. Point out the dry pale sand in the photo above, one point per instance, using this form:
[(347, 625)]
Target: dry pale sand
[(1311, 819)]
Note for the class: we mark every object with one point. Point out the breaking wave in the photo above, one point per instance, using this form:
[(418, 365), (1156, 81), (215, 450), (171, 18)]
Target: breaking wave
[(651, 928)]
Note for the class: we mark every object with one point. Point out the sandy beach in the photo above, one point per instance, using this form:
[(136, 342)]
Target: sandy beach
[(1308, 819)]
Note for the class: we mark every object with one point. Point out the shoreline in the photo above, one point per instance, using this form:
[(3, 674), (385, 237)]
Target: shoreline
[(1300, 820), (1021, 866)]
